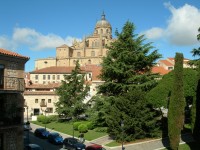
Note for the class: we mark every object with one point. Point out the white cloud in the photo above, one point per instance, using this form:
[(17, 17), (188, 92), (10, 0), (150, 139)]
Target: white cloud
[(34, 40), (154, 33), (182, 26)]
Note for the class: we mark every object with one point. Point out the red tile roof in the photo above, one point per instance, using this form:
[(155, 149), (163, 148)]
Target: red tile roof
[(10, 53), (160, 70), (43, 86), (167, 63), (55, 70)]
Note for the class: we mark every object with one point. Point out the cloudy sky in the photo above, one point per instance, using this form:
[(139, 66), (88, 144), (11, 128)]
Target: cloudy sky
[(34, 28)]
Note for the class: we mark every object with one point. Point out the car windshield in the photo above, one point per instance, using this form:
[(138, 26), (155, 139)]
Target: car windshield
[(74, 141)]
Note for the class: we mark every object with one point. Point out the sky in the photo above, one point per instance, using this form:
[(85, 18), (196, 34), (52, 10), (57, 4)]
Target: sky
[(34, 28)]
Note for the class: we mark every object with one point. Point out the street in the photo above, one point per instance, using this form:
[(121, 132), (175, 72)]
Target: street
[(42, 142)]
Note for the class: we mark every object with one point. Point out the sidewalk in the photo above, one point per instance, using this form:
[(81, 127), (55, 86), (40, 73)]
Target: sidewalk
[(157, 144)]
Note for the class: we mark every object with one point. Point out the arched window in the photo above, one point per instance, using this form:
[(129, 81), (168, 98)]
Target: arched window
[(92, 53), (107, 31), (101, 31), (78, 54), (89, 61)]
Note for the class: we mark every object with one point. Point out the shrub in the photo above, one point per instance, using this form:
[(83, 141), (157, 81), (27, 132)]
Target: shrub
[(53, 118), (43, 119), (90, 125), (101, 129), (82, 128), (76, 124), (40, 118)]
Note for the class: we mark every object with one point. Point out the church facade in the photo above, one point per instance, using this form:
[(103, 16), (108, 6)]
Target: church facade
[(90, 50)]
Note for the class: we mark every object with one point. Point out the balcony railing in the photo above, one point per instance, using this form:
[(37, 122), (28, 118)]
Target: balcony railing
[(11, 83), (43, 104)]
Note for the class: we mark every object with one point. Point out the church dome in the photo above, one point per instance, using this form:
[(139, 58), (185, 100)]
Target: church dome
[(103, 23)]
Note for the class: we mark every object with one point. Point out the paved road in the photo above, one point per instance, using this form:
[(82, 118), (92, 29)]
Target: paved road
[(148, 145)]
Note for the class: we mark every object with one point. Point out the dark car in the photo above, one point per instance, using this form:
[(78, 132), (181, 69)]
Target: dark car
[(73, 144), (95, 147), (41, 132), (32, 147), (55, 138)]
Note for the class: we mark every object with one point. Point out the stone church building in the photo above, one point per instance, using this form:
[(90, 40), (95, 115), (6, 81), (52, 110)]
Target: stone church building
[(90, 50)]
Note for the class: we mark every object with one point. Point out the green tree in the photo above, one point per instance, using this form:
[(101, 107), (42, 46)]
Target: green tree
[(176, 104), (127, 70), (72, 93), (196, 51), (196, 109), (128, 63), (98, 110), (159, 95), (139, 119)]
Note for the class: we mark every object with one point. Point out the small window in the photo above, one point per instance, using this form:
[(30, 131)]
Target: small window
[(78, 54), (49, 77), (49, 110), (44, 82), (89, 61), (44, 77), (49, 100), (58, 77), (36, 100), (36, 77), (53, 77), (101, 30), (92, 53)]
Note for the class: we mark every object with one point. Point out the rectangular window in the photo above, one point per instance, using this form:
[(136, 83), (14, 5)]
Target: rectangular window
[(78, 54), (49, 110), (49, 77), (36, 77), (58, 77), (49, 100), (92, 53), (44, 77), (36, 100), (53, 77)]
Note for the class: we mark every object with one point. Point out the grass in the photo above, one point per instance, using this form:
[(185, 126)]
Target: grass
[(67, 128), (113, 144)]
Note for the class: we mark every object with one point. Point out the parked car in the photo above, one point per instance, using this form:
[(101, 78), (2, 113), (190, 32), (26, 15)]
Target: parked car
[(32, 147), (55, 138), (95, 147), (73, 144), (41, 132)]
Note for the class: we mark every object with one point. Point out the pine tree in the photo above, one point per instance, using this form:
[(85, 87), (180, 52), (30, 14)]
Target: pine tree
[(72, 93), (126, 71), (128, 63), (139, 119), (176, 104)]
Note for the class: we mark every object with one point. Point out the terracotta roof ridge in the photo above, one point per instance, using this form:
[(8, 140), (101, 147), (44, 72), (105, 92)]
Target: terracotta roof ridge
[(11, 53)]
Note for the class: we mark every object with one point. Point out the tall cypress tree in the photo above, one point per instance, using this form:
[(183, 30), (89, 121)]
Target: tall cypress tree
[(72, 93), (176, 104), (196, 109)]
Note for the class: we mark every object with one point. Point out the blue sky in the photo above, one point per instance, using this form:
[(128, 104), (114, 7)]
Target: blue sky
[(34, 28)]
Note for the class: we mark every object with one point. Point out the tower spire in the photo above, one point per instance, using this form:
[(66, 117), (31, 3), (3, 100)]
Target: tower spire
[(103, 16)]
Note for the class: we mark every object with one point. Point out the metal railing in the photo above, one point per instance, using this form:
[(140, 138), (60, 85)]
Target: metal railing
[(11, 83)]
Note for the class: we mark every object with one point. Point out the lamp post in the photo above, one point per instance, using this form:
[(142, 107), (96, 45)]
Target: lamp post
[(45, 118), (122, 127)]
